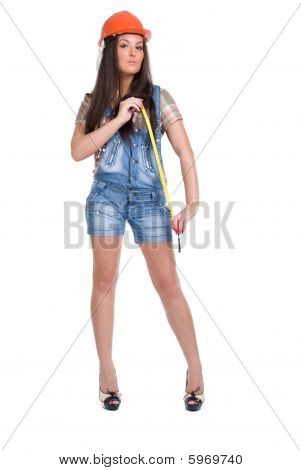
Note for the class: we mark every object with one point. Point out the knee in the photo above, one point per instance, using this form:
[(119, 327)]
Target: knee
[(168, 289), (104, 283)]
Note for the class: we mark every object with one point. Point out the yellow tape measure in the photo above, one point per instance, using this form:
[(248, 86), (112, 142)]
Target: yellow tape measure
[(162, 178), (157, 159)]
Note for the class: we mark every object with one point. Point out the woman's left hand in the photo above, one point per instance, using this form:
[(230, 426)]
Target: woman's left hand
[(180, 220)]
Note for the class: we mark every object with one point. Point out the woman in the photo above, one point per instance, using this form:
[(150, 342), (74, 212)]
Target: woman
[(127, 186)]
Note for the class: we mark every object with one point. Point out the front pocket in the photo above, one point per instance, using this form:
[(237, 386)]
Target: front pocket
[(164, 206), (146, 158), (96, 189), (91, 198), (112, 152)]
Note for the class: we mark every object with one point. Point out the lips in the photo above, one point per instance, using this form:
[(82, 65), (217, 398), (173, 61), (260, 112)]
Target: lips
[(132, 62)]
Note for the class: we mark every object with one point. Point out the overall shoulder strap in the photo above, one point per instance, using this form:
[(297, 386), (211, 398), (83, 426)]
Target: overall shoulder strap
[(156, 98)]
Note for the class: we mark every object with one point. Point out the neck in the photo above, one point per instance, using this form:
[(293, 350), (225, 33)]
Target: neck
[(126, 84), (126, 81)]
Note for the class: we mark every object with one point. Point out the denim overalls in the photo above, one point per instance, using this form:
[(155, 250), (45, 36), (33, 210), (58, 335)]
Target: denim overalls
[(133, 166), (127, 186)]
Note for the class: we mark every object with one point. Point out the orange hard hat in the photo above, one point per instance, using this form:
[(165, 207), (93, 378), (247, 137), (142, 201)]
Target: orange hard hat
[(123, 22)]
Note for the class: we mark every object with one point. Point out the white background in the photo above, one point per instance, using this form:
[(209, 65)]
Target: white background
[(244, 301)]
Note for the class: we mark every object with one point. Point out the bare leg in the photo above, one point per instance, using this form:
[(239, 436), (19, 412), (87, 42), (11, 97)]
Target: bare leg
[(106, 258), (161, 264)]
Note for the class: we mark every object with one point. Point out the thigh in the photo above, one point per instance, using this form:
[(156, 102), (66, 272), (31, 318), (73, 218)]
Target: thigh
[(106, 257), (104, 211), (161, 264)]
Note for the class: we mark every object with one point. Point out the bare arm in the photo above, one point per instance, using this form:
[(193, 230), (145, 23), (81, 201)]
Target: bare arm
[(178, 138), (83, 145)]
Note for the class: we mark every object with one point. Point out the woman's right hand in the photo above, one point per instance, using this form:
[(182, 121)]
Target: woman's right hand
[(127, 108)]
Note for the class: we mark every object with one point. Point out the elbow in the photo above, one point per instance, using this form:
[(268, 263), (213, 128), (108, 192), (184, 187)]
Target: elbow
[(74, 153), (75, 157)]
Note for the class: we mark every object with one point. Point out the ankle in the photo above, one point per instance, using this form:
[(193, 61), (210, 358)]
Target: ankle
[(106, 366), (194, 367)]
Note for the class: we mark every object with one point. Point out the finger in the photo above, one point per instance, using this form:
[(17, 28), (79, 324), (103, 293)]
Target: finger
[(184, 225), (133, 99), (176, 224), (138, 101), (179, 226), (134, 105)]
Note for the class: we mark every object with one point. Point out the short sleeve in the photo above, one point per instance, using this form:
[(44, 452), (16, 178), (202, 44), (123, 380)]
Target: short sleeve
[(83, 109), (168, 109)]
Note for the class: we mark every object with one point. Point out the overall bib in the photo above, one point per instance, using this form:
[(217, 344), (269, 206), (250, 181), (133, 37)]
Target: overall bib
[(132, 165)]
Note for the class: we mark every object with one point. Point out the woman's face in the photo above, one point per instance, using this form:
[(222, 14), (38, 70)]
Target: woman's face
[(130, 53)]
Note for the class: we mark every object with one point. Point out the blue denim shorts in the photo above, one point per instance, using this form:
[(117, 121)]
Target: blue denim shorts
[(108, 207)]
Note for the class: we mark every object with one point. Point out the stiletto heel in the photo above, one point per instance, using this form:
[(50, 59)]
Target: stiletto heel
[(192, 396)]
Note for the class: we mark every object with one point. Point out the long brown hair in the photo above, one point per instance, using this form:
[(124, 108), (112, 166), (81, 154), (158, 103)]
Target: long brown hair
[(108, 82)]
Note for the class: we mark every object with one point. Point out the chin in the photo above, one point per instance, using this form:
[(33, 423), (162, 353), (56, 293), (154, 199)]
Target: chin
[(131, 72)]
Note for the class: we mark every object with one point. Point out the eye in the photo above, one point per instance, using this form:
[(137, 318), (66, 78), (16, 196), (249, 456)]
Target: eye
[(138, 47)]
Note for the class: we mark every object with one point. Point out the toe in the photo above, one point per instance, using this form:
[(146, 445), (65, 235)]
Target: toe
[(192, 402), (113, 402)]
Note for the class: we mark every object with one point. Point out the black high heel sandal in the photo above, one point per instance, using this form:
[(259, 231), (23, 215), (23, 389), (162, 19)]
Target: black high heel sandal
[(192, 396), (106, 397)]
